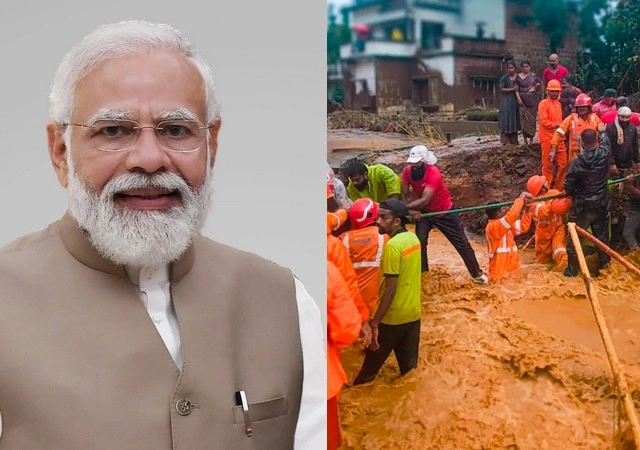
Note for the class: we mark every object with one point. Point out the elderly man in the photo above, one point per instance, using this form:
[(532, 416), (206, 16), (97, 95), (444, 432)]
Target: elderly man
[(122, 326)]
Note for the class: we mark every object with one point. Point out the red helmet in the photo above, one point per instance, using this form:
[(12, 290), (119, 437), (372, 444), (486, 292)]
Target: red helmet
[(583, 100), (535, 183), (362, 213)]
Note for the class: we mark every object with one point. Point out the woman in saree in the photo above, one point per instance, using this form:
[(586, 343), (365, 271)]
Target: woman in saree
[(509, 114), (529, 85)]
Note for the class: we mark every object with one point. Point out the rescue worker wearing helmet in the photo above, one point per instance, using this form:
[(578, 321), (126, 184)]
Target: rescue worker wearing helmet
[(572, 127), (500, 233), (364, 245), (549, 120), (550, 236)]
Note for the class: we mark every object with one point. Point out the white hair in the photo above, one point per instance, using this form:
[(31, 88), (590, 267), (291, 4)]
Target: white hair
[(119, 39)]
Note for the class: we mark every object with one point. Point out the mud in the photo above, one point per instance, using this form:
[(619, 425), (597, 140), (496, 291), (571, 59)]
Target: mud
[(514, 365)]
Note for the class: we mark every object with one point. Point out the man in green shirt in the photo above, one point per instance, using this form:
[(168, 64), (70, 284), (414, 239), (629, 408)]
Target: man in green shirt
[(395, 326), (377, 182)]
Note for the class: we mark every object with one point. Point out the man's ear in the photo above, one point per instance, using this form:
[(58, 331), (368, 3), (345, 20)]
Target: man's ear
[(58, 152), (213, 140)]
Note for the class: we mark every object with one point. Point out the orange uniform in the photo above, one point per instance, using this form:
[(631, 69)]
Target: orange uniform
[(337, 254), (550, 234), (549, 117), (343, 327), (572, 126), (365, 250), (501, 244)]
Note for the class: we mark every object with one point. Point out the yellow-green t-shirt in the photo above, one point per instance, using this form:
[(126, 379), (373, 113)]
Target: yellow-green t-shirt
[(401, 258), (383, 182)]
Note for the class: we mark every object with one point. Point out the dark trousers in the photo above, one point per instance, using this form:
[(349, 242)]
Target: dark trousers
[(402, 339), (598, 220), (451, 226)]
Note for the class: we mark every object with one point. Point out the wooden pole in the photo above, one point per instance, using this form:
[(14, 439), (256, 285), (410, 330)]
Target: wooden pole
[(606, 339), (605, 248), (528, 242)]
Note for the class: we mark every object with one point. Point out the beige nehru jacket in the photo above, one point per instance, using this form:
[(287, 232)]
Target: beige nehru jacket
[(83, 367)]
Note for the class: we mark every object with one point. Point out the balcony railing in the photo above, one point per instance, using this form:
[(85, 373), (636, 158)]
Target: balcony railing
[(378, 48)]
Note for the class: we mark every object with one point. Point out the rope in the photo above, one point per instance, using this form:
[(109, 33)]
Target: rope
[(499, 205)]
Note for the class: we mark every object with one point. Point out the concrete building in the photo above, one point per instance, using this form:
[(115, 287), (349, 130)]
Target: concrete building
[(432, 55)]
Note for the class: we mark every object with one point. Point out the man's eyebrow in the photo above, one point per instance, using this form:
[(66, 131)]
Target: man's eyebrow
[(178, 114), (110, 114)]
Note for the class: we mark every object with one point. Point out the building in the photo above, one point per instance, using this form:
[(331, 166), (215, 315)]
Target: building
[(420, 55)]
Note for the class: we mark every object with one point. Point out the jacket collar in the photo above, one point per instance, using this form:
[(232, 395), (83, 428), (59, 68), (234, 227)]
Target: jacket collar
[(77, 243)]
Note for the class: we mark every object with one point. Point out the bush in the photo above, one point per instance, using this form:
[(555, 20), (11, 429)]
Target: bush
[(483, 114)]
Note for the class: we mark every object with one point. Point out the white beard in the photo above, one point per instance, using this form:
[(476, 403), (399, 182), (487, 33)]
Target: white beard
[(139, 237)]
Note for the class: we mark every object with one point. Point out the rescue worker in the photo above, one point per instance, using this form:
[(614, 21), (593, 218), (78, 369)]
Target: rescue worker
[(337, 254), (586, 182), (550, 236), (396, 323), (377, 182), (572, 126), (343, 326), (500, 232), (364, 245), (424, 191), (549, 120)]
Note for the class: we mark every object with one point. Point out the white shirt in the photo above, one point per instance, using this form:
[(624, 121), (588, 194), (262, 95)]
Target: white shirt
[(154, 290)]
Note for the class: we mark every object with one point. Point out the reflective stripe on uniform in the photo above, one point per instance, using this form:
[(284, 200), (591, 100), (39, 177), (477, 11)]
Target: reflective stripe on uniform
[(345, 241), (504, 222), (559, 250)]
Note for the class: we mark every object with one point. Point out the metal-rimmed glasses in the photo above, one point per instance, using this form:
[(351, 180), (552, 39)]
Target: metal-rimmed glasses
[(115, 135)]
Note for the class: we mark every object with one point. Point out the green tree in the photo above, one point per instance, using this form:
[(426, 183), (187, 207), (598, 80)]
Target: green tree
[(553, 19), (337, 35)]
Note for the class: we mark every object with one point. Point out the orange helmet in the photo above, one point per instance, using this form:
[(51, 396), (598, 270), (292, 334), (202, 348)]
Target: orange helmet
[(535, 183), (554, 85), (561, 205), (583, 100), (362, 213)]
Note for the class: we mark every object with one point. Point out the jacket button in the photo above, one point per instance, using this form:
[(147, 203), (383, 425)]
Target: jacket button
[(184, 407)]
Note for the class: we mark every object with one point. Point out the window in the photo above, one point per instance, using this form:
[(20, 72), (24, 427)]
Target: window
[(432, 34)]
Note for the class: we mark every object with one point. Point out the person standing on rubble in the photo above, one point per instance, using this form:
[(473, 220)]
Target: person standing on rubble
[(500, 232), (550, 236), (422, 180), (554, 71), (573, 126), (549, 119), (586, 182), (529, 85), (510, 102)]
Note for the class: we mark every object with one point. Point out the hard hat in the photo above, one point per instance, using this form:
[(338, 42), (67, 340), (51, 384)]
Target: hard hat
[(535, 183), (362, 213), (583, 100), (336, 219), (554, 85), (561, 205)]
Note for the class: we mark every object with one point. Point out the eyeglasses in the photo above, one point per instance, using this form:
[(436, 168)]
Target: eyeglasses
[(180, 136)]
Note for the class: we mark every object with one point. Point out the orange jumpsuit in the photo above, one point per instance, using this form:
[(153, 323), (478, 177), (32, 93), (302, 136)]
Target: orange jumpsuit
[(337, 254), (549, 117), (365, 250), (343, 327), (573, 126), (501, 244), (550, 234)]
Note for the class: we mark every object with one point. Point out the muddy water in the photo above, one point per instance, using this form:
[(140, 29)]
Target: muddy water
[(514, 365)]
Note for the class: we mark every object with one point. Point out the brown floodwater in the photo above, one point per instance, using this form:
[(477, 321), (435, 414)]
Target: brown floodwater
[(518, 364)]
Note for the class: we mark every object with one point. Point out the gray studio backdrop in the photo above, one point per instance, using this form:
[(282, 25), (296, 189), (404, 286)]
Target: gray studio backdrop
[(268, 58)]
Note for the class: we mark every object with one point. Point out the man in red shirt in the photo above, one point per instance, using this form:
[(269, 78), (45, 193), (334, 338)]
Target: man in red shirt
[(606, 104), (430, 194), (555, 71)]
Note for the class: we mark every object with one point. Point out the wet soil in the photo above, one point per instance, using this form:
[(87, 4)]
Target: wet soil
[(518, 364)]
